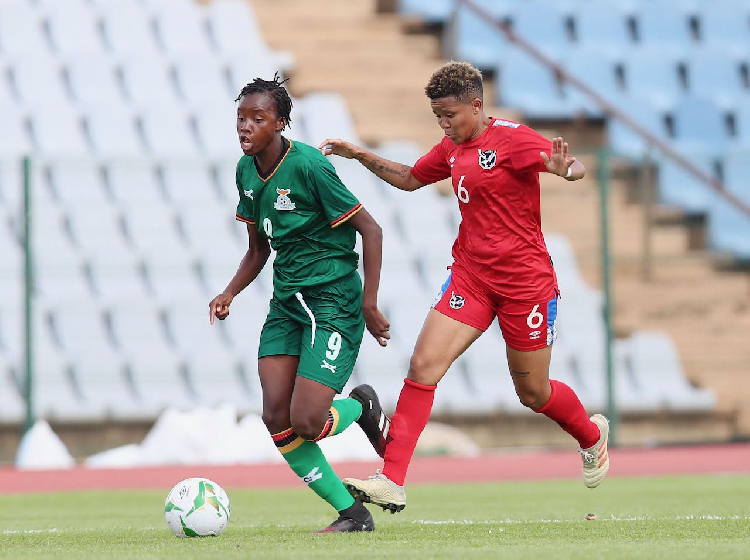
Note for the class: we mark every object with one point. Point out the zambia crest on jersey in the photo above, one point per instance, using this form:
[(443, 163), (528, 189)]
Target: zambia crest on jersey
[(487, 159), (283, 202)]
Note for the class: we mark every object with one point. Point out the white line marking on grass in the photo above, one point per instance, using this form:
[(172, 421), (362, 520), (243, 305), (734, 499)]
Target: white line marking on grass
[(29, 531), (707, 517)]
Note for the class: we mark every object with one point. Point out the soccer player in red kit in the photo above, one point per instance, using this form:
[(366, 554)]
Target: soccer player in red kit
[(501, 269)]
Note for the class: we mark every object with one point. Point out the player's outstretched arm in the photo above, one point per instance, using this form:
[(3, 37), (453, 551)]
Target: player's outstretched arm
[(252, 263), (372, 257), (397, 174), (561, 163)]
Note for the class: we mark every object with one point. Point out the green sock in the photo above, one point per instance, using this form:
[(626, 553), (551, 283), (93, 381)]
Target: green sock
[(349, 410), (308, 462)]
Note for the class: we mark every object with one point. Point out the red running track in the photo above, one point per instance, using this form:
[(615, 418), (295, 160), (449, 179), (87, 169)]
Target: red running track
[(501, 466)]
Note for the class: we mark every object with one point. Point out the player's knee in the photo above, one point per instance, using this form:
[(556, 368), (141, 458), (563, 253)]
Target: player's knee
[(276, 421), (532, 397), (307, 427), (421, 369)]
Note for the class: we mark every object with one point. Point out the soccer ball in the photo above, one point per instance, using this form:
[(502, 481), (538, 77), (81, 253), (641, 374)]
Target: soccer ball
[(197, 507)]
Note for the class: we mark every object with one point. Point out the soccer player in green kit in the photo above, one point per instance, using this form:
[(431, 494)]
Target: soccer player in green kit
[(291, 197)]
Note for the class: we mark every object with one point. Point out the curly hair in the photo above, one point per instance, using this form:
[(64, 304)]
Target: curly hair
[(455, 79), (279, 94)]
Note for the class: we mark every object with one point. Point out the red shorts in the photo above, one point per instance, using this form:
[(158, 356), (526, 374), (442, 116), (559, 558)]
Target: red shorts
[(526, 325)]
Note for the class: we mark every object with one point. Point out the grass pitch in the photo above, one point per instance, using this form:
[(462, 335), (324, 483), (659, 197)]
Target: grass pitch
[(667, 517)]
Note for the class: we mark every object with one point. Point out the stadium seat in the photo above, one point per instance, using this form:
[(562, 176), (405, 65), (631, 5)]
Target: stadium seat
[(50, 123), (700, 127), (113, 134), (742, 125), (680, 188), (736, 170), (213, 369), (716, 77), (215, 124), (168, 131), (664, 24), (475, 40), (15, 140), (435, 11), (598, 71), (529, 86), (96, 367), (92, 79), (627, 143), (72, 27), (118, 276), (180, 26), (12, 408), (22, 32), (651, 75), (656, 365), (602, 28), (122, 175), (38, 80), (725, 24), (74, 183), (58, 266), (236, 33), (202, 79), (127, 28), (151, 361), (148, 81), (729, 229)]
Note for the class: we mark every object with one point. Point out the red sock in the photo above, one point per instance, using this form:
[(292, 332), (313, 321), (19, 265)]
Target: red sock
[(411, 416), (564, 408)]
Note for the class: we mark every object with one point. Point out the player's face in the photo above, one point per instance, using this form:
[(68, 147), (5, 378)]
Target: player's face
[(257, 122), (460, 120)]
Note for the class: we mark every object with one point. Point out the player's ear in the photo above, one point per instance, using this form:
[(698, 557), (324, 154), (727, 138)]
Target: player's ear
[(280, 124), (476, 105)]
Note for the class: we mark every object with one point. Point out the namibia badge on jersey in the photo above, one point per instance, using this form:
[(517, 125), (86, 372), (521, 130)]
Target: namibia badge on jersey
[(487, 158), (283, 202)]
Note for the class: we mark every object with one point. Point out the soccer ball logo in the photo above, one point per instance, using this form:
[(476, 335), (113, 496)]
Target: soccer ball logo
[(197, 507)]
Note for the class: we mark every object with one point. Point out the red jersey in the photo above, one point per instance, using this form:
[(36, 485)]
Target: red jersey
[(496, 180)]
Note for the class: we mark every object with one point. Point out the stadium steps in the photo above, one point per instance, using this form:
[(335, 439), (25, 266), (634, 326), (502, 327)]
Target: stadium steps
[(703, 308)]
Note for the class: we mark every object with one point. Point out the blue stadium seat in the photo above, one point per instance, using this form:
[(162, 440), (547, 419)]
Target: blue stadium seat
[(725, 24), (596, 69), (729, 228), (680, 188), (742, 125), (527, 85), (700, 126), (717, 77), (434, 11), (664, 24), (652, 74), (624, 141), (603, 27), (476, 40)]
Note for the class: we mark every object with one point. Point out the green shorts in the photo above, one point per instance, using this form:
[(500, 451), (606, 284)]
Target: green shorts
[(323, 326)]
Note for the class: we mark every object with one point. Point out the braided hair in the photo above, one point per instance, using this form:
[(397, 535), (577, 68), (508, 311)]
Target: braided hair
[(276, 90)]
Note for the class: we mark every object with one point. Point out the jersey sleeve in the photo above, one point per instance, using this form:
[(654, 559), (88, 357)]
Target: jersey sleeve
[(244, 206), (432, 167), (338, 203), (525, 147)]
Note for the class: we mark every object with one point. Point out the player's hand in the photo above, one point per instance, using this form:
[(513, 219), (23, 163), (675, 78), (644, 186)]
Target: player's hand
[(338, 147), (559, 161), (219, 307), (378, 325)]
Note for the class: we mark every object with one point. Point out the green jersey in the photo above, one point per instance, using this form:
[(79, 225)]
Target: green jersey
[(301, 206)]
